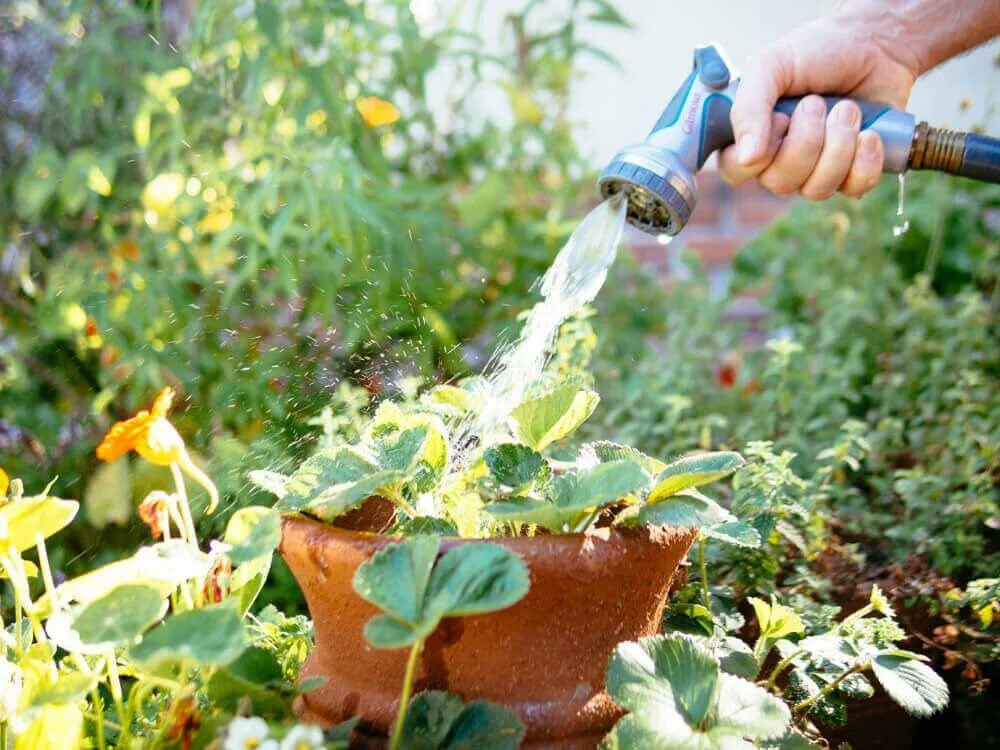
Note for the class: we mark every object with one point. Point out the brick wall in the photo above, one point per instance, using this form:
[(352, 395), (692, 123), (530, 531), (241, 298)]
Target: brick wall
[(725, 219)]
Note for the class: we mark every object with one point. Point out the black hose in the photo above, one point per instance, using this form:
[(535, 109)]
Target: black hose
[(981, 160)]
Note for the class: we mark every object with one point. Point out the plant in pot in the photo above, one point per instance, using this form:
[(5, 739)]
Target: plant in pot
[(504, 570)]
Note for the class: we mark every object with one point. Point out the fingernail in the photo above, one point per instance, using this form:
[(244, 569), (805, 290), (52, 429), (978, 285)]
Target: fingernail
[(847, 115), (868, 146), (814, 107), (746, 148)]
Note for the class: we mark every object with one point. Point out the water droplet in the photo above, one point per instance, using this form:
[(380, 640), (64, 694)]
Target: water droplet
[(664, 239), (902, 224)]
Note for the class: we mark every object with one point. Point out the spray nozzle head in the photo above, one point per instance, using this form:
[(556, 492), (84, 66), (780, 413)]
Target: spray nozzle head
[(659, 188)]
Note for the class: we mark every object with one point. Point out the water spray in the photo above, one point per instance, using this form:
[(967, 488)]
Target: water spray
[(657, 176)]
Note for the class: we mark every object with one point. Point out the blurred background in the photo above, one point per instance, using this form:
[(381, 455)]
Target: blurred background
[(290, 210)]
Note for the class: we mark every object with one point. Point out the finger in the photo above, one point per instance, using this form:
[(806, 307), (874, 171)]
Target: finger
[(735, 172), (867, 167), (842, 127), (800, 150), (762, 83)]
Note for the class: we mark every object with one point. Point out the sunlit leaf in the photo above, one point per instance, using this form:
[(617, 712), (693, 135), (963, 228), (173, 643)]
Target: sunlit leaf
[(56, 726), (516, 465), (120, 616), (693, 471), (28, 518), (211, 636), (911, 683), (540, 421)]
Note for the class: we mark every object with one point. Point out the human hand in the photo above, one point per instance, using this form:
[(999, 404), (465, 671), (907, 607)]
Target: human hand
[(817, 153)]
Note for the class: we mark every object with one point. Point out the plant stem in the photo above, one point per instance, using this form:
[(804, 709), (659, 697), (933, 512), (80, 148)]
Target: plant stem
[(98, 719), (404, 697), (3, 735), (703, 568), (189, 529), (803, 705), (782, 665)]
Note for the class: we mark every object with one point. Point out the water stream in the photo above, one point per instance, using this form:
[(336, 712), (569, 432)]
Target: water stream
[(902, 224), (573, 280)]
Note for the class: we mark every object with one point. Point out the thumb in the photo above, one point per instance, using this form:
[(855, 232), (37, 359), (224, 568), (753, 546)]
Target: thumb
[(759, 89)]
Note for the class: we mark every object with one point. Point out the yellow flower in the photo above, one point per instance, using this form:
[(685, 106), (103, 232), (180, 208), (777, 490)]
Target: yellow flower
[(152, 436), (377, 112), (159, 195), (4, 484)]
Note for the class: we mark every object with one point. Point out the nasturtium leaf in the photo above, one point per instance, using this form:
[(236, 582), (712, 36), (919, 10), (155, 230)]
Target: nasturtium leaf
[(253, 533), (693, 471), (383, 631), (120, 616), (749, 710), (540, 421), (688, 509), (27, 518), (528, 510), (108, 497), (69, 687), (270, 481), (734, 532), (516, 465), (395, 579), (56, 726), (912, 684), (606, 451), (211, 636), (474, 578), (775, 620)]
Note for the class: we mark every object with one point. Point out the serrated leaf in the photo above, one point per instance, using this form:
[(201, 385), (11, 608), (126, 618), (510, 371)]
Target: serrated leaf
[(673, 674), (734, 532), (604, 484), (540, 421), (120, 616), (749, 710), (210, 636), (324, 470), (429, 719), (383, 631), (694, 619), (270, 481), (400, 451), (475, 578), (917, 688), (736, 658), (606, 451), (516, 465), (775, 620), (395, 579), (27, 518), (690, 509), (439, 721), (426, 526), (693, 471), (857, 686), (528, 510)]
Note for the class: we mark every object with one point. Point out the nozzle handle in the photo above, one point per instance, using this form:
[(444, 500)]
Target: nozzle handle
[(870, 111)]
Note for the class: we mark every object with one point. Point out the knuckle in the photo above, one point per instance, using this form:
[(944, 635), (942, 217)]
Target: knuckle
[(815, 192), (778, 185)]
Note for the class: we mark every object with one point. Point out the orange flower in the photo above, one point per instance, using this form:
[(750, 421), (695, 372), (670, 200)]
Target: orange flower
[(377, 112), (152, 436), (148, 433)]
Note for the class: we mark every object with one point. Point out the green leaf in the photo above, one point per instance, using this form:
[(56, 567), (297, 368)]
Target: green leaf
[(271, 481), (37, 182), (606, 451), (439, 721), (911, 683), (426, 526), (255, 679), (395, 578), (694, 619), (750, 711), (540, 421), (382, 631), (689, 509), (528, 510), (400, 451), (56, 726), (475, 578), (211, 636), (322, 471), (736, 658), (254, 532), (774, 620), (108, 497), (269, 21), (673, 673), (516, 465), (734, 532), (68, 688), (693, 471), (120, 616), (603, 485), (28, 518)]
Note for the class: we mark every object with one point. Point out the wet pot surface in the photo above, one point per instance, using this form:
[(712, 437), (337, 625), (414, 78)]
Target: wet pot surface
[(544, 658)]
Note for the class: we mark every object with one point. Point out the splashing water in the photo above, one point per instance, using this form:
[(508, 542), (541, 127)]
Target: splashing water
[(573, 280), (902, 225)]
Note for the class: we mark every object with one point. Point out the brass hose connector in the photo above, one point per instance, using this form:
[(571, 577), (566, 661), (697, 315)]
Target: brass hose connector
[(937, 148)]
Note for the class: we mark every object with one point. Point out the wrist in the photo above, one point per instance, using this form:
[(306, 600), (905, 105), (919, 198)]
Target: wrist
[(891, 27)]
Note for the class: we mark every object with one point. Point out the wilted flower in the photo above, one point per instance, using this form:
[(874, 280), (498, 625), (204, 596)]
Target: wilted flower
[(376, 112), (185, 722), (218, 578), (303, 737), (154, 511), (248, 733), (152, 436)]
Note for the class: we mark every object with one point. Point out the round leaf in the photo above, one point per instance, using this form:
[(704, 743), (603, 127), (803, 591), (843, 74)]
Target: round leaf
[(212, 636), (120, 616)]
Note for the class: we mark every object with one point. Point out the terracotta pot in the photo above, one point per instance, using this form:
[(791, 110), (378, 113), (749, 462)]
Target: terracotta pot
[(544, 658)]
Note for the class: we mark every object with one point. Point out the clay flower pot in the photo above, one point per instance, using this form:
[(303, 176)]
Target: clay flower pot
[(544, 658)]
